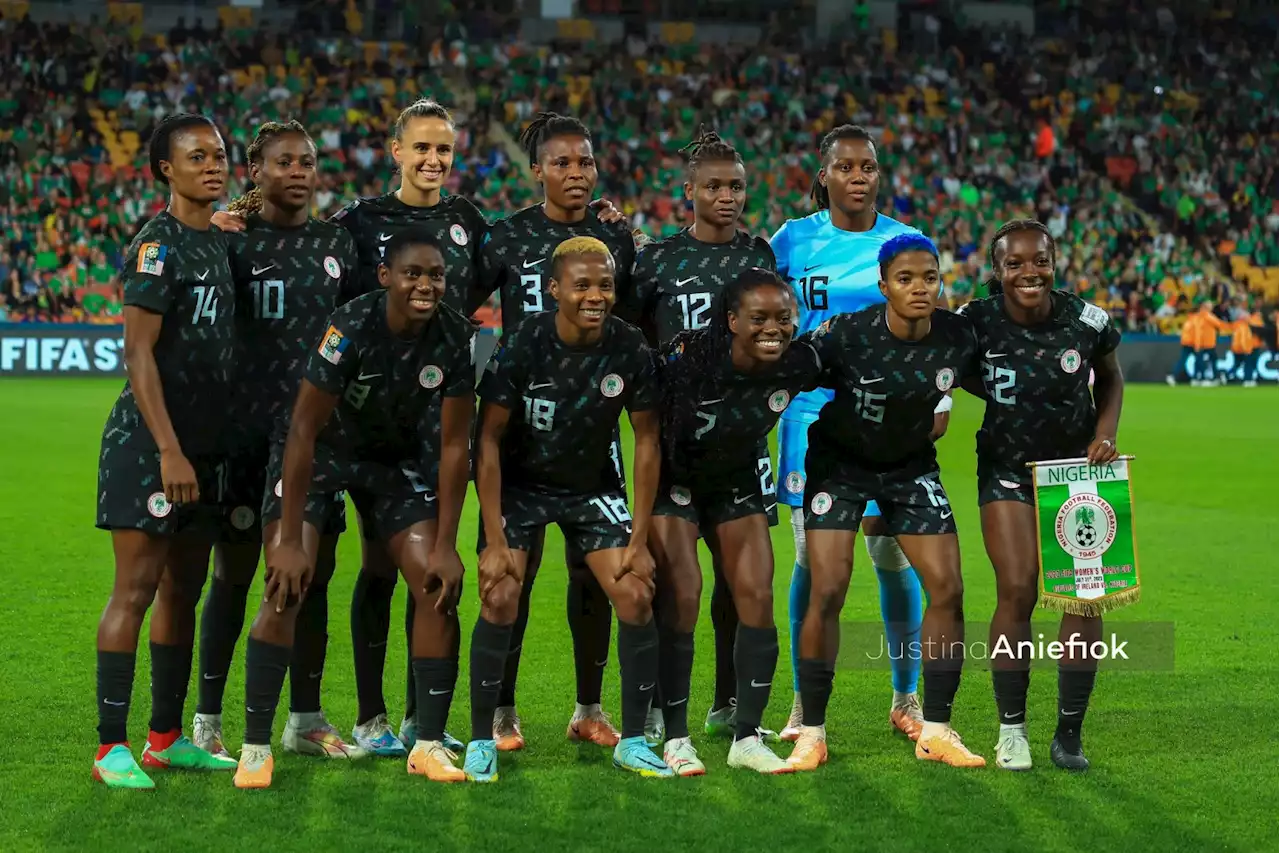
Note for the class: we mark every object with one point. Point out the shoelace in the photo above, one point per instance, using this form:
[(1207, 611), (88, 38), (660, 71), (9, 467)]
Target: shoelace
[(507, 721)]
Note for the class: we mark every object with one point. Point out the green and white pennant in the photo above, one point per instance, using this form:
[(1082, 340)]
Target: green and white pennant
[(1085, 533)]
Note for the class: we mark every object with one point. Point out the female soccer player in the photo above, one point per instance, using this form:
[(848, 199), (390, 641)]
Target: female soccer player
[(423, 146), (1038, 346), (675, 283), (889, 367), (157, 477), (723, 388), (291, 271), (362, 423), (516, 263), (551, 398), (830, 259)]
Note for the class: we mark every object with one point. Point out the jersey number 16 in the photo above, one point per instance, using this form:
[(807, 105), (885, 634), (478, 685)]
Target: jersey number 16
[(813, 290)]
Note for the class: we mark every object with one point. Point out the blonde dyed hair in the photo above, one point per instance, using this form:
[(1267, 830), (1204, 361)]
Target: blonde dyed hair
[(577, 247)]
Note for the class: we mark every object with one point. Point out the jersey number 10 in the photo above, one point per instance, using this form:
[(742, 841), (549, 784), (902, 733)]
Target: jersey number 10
[(268, 299)]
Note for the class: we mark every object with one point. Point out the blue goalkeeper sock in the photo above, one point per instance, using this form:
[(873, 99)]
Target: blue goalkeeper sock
[(797, 605), (902, 608)]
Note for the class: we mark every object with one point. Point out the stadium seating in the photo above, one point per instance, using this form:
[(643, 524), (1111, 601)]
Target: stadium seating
[(970, 136)]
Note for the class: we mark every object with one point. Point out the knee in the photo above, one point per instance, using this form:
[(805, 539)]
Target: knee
[(755, 605), (687, 600), (1018, 597), (502, 603), (798, 537), (633, 601), (827, 593), (885, 553), (134, 596), (947, 594), (179, 593)]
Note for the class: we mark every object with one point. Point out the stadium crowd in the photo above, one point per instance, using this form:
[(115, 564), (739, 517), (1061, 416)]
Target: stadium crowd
[(1103, 137)]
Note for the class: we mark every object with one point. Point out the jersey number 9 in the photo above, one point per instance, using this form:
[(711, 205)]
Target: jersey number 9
[(814, 292)]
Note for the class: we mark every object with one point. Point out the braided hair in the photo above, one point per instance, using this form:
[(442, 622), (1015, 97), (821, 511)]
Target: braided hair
[(160, 146), (692, 362), (544, 128), (421, 108), (994, 285), (708, 147), (817, 192), (251, 201)]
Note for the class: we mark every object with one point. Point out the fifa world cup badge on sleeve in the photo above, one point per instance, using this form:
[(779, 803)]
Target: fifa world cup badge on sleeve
[(332, 345), (151, 258), (1084, 528)]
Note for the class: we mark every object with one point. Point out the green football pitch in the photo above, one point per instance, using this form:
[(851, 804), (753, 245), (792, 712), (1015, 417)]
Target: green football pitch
[(1184, 757)]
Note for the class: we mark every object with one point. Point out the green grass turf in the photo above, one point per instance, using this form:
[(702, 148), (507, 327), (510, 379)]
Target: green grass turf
[(1180, 757)]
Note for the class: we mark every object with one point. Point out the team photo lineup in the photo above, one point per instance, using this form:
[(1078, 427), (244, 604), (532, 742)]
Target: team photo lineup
[(279, 363)]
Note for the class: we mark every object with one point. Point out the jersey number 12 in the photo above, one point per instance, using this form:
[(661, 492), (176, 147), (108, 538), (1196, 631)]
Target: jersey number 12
[(694, 308)]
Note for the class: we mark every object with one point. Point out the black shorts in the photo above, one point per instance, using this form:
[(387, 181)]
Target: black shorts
[(242, 499), (732, 498), (589, 522), (131, 493), (1005, 483), (911, 504), (768, 485), (388, 498)]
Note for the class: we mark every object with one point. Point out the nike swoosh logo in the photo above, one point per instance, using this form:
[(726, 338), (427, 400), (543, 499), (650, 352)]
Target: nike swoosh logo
[(813, 266), (490, 683), (208, 677), (253, 710), (434, 692), (991, 354), (364, 376), (428, 498), (117, 704), (711, 402), (645, 687), (316, 674), (755, 683), (377, 645), (257, 271), (1010, 716), (946, 515), (862, 381), (677, 702), (202, 276), (531, 264), (384, 237), (1069, 713), (743, 499), (683, 281), (604, 662), (541, 385)]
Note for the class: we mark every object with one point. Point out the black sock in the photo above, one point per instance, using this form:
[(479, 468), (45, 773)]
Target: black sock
[(1075, 685), (756, 658), (410, 690), (435, 679), (221, 622), (1010, 686), (816, 678), (638, 663), (675, 670), (511, 662), (370, 625), (591, 625), (724, 620), (115, 689), (941, 681), (264, 668), (310, 640), (170, 678), (489, 645)]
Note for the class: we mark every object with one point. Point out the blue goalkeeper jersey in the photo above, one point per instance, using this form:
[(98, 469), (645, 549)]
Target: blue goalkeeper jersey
[(831, 272)]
